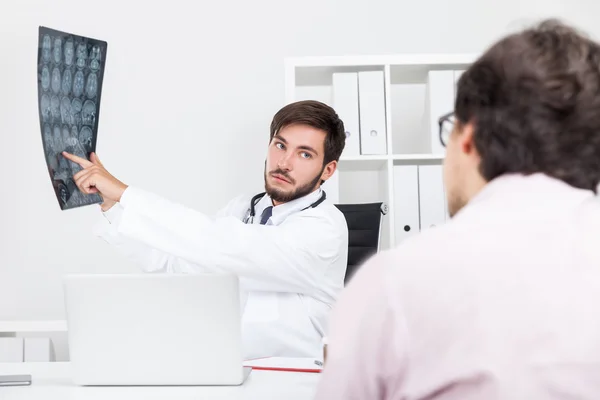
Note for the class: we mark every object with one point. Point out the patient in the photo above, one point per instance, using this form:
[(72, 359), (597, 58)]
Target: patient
[(502, 302)]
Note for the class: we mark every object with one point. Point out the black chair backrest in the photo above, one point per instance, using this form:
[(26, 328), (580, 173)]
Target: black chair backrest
[(364, 227)]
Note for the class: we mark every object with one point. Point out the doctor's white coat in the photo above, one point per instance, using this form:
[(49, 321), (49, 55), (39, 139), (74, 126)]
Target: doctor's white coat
[(291, 270)]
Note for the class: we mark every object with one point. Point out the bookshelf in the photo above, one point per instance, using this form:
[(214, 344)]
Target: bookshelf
[(413, 90)]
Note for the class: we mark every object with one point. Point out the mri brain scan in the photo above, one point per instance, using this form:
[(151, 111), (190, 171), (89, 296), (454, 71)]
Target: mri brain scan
[(81, 55), (45, 108), (85, 138), (88, 114), (76, 107), (67, 82), (65, 110), (57, 51), (45, 78), (70, 76), (55, 82), (92, 85), (48, 142), (78, 84), (69, 52), (55, 107), (46, 48)]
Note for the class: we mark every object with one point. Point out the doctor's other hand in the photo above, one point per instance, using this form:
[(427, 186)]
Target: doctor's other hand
[(94, 178)]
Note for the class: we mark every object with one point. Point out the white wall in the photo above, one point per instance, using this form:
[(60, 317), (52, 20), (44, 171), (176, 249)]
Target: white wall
[(189, 91)]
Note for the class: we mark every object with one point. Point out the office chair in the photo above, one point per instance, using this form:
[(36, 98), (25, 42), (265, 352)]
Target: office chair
[(364, 232)]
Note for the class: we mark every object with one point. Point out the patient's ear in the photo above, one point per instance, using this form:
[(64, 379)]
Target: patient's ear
[(465, 138)]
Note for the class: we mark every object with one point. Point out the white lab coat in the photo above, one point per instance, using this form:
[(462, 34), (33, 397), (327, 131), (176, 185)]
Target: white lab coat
[(291, 270)]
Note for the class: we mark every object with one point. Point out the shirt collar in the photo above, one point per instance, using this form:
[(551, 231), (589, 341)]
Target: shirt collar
[(282, 211), (536, 191)]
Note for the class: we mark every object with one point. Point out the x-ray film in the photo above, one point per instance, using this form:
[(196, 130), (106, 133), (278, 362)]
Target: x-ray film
[(70, 71)]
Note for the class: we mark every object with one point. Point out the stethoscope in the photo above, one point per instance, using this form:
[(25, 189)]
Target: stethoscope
[(252, 210)]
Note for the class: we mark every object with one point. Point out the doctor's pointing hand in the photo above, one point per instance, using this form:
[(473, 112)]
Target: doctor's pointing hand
[(94, 178)]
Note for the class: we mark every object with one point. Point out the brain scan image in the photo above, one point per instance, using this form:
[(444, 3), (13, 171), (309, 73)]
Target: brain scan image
[(94, 65), (96, 53), (91, 87), (63, 192), (57, 50), (76, 107), (69, 52), (78, 84), (88, 114), (57, 139), (46, 48), (66, 134), (65, 110), (45, 107), (48, 143), (55, 82), (55, 107), (70, 76), (95, 59), (85, 138), (67, 82), (45, 78), (81, 55), (59, 147)]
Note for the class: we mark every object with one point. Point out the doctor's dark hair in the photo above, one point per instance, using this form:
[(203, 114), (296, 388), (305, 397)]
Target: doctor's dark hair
[(316, 115), (534, 101)]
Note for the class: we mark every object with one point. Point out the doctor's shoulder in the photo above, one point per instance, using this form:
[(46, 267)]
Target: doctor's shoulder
[(236, 206), (324, 217)]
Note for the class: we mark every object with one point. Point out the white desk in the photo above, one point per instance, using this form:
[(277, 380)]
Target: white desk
[(51, 381)]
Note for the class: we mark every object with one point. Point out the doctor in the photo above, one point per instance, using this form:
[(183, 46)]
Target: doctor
[(288, 245)]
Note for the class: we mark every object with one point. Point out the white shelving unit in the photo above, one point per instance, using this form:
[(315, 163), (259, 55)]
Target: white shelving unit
[(370, 178)]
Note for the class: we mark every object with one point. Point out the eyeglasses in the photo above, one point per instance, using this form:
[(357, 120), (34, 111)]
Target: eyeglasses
[(446, 123)]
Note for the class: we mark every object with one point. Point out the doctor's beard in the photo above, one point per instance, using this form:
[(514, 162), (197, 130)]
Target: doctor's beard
[(301, 191)]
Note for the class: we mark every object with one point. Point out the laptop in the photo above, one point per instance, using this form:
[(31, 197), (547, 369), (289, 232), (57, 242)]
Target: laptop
[(154, 329)]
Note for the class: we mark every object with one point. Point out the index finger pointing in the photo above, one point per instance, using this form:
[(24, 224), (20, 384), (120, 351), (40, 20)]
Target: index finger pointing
[(81, 161)]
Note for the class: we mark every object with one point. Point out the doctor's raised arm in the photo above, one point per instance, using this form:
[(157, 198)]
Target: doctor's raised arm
[(289, 239)]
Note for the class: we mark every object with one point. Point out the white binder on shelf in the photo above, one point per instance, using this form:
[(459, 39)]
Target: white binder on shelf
[(37, 350), (439, 101), (432, 204), (11, 349), (371, 99), (406, 201), (345, 103)]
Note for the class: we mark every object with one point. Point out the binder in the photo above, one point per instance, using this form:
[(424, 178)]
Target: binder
[(440, 100), (37, 350), (432, 204), (345, 103), (406, 201), (371, 99), (11, 349)]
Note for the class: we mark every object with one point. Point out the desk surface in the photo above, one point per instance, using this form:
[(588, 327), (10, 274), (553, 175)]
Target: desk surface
[(51, 381)]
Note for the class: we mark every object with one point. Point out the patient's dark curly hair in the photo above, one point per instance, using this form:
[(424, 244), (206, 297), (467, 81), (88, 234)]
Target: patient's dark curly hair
[(534, 100)]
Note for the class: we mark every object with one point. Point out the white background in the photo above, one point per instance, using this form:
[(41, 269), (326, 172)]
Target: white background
[(189, 91)]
